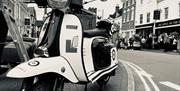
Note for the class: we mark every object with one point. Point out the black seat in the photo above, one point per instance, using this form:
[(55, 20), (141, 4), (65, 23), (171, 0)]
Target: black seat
[(95, 32)]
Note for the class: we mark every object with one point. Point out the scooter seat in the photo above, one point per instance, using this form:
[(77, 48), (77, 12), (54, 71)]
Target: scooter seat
[(95, 32)]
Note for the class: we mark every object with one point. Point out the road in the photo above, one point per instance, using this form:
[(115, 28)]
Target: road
[(153, 71), (137, 71)]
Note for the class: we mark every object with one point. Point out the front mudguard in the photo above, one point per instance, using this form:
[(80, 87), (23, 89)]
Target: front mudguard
[(39, 66)]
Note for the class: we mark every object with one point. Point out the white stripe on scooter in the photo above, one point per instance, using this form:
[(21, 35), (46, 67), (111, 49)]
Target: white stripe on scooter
[(170, 84)]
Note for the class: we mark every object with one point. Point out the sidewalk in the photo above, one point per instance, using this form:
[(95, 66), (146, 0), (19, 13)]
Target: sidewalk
[(173, 52)]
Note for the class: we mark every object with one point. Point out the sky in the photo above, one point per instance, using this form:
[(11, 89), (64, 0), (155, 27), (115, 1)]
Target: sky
[(103, 8)]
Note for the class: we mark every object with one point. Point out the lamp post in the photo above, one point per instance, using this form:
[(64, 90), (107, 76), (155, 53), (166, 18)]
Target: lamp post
[(156, 17)]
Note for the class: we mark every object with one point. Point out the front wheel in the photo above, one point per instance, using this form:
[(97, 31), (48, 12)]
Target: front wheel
[(103, 81), (43, 86), (56, 84)]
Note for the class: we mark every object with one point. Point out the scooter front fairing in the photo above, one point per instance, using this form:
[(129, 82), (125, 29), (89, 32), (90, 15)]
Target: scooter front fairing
[(39, 66)]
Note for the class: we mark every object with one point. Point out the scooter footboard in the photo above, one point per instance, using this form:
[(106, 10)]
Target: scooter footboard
[(39, 66)]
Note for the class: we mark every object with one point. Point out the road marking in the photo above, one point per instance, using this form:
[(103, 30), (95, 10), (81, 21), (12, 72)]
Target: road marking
[(141, 73), (170, 84), (131, 86)]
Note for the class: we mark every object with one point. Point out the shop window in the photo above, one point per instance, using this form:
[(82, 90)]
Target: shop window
[(166, 12), (141, 18), (148, 17)]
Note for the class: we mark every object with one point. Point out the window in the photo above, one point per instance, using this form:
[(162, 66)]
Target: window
[(5, 7), (124, 16), (129, 2), (132, 13), (141, 18), (128, 15), (126, 3), (148, 17), (132, 2), (166, 12)]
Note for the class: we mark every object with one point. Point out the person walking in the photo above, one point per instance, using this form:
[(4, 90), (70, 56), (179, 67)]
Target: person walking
[(131, 40), (166, 42), (143, 42)]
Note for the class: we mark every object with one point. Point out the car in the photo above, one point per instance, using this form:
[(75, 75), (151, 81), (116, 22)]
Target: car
[(137, 45)]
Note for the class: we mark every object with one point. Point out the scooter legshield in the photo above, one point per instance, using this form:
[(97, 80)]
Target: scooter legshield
[(39, 66)]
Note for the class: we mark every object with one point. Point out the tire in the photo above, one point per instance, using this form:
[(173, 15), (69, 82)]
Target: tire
[(49, 84), (43, 86), (103, 80)]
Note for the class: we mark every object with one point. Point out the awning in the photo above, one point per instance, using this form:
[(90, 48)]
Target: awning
[(168, 26), (143, 27)]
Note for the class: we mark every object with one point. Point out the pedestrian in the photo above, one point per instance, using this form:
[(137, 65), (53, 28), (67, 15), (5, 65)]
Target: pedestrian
[(166, 42), (131, 41), (160, 41), (126, 42), (143, 42)]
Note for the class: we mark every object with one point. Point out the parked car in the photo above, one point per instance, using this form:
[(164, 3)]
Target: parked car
[(137, 45)]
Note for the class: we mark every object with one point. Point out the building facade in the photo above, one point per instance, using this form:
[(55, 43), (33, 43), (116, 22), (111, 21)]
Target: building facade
[(128, 18), (19, 12), (32, 26), (144, 17), (8, 5), (116, 18), (169, 21), (169, 17)]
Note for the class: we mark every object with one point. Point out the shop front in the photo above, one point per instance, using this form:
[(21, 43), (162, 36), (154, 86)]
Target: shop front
[(168, 27), (144, 30)]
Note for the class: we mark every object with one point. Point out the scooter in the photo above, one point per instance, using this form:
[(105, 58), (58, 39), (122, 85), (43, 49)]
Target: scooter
[(70, 49)]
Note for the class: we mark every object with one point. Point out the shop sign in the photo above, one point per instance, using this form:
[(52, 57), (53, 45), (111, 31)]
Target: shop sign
[(167, 23)]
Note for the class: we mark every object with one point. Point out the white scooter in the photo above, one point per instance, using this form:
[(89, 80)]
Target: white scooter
[(69, 50)]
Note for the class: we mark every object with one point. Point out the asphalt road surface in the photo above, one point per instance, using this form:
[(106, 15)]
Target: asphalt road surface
[(137, 71), (152, 71)]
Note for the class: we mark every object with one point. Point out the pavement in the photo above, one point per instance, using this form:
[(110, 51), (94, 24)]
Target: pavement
[(173, 52)]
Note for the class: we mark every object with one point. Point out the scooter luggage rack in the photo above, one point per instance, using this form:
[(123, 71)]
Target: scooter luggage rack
[(13, 30)]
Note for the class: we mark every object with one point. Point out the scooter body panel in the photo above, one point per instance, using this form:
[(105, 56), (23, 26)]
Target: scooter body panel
[(38, 66), (93, 76), (71, 44)]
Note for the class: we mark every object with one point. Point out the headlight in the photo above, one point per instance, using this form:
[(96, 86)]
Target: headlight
[(58, 4)]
